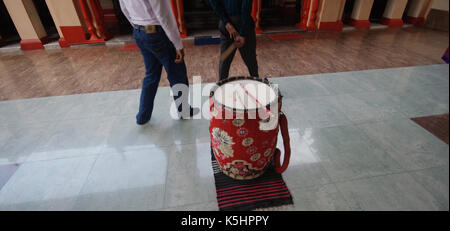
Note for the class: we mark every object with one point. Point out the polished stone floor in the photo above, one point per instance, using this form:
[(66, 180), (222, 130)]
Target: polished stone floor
[(107, 68), (354, 147)]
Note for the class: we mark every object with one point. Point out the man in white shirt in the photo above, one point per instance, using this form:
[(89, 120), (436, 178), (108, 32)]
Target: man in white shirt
[(158, 38)]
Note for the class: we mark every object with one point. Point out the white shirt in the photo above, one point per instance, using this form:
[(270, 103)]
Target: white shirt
[(153, 12)]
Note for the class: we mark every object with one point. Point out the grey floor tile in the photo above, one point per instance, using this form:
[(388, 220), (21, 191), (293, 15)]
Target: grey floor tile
[(373, 106), (435, 181), (365, 79), (410, 145), (341, 83), (438, 93), (321, 112), (305, 168), (301, 87), (347, 153), (129, 103), (95, 105), (206, 206), (398, 192), (294, 114), (418, 101), (190, 178), (25, 111), (420, 159), (166, 163), (133, 180), (426, 75), (46, 185), (6, 171), (126, 135), (6, 132), (20, 141), (319, 198), (74, 138), (392, 79), (161, 131)]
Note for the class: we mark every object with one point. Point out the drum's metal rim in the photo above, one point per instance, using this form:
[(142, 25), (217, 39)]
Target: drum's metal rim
[(231, 79)]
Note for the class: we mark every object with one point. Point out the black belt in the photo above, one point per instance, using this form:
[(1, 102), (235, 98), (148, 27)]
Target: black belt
[(149, 29)]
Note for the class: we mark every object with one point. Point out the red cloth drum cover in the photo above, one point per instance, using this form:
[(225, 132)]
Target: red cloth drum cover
[(244, 127)]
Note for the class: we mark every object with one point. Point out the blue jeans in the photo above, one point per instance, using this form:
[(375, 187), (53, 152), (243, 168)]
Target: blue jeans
[(158, 51)]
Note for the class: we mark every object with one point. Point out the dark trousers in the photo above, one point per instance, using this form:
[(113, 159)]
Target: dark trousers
[(248, 51), (158, 52)]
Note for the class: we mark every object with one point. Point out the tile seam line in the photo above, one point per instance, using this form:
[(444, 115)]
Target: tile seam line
[(372, 140), (190, 204), (427, 188), (391, 173), (60, 158), (85, 181), (367, 70), (271, 78), (321, 166), (164, 202), (140, 149)]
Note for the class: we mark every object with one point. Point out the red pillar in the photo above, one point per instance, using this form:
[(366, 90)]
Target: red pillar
[(308, 16), (178, 12), (256, 14), (420, 21), (92, 15)]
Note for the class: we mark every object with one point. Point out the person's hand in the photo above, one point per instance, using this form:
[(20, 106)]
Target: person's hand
[(180, 56), (239, 41), (232, 31)]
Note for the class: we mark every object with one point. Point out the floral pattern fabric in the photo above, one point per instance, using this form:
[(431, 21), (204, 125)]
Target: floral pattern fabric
[(242, 150)]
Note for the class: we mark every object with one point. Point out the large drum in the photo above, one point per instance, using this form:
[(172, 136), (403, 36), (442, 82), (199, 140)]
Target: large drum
[(245, 119)]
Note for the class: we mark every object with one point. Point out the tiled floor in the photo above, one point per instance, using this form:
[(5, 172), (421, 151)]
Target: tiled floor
[(107, 68), (354, 147)]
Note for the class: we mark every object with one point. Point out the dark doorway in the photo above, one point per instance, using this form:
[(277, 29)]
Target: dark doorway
[(199, 15), (46, 19), (273, 15), (348, 10), (7, 29), (377, 10), (405, 13), (122, 26)]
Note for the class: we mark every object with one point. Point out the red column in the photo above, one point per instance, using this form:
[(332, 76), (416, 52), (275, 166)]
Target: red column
[(92, 15), (178, 12), (308, 17), (256, 14)]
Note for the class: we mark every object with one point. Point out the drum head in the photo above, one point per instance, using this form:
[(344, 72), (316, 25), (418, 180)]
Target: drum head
[(245, 94)]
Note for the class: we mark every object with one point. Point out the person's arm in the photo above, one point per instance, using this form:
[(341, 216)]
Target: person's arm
[(219, 9), (164, 13), (124, 10), (246, 16)]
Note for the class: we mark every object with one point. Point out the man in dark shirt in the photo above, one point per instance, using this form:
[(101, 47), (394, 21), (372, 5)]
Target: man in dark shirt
[(236, 26)]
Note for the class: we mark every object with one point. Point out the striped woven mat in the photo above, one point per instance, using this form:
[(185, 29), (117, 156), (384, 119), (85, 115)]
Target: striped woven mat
[(267, 192)]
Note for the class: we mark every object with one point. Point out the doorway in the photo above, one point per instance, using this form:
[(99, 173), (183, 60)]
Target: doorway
[(122, 27), (276, 13), (348, 10), (8, 30), (377, 12), (199, 15), (46, 19), (405, 13)]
